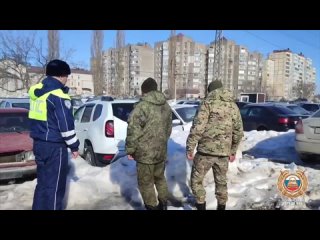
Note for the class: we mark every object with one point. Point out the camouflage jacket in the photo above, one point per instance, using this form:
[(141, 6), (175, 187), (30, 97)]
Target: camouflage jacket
[(217, 128), (149, 128)]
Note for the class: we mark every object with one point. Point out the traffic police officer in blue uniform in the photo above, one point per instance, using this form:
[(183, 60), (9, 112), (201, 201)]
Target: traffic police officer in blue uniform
[(52, 129)]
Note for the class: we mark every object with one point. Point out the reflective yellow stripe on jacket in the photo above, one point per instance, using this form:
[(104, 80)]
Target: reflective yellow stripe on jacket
[(38, 106)]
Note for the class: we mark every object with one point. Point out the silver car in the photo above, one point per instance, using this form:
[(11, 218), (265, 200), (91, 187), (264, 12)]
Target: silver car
[(307, 141), (183, 114), (15, 103)]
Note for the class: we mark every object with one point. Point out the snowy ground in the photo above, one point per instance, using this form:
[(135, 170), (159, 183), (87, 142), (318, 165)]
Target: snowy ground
[(252, 179)]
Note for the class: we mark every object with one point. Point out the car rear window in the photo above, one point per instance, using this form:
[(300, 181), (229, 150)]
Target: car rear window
[(298, 110), (122, 110), (311, 107), (14, 122)]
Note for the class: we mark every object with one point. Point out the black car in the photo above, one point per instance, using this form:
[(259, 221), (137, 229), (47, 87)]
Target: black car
[(311, 107), (268, 117)]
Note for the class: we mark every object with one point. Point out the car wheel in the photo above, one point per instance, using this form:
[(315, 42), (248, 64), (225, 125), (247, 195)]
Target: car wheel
[(261, 128), (89, 156)]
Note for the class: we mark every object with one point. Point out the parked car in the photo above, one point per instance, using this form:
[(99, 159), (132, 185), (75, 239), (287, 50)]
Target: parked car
[(76, 103), (15, 103), (190, 102), (241, 104), (16, 156), (297, 109), (101, 126), (268, 116), (183, 114), (307, 141), (311, 107)]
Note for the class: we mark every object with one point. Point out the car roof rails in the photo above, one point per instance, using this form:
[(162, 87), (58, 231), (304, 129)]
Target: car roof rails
[(106, 98), (101, 98)]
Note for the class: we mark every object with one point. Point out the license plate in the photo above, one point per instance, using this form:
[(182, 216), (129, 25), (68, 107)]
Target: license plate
[(317, 130)]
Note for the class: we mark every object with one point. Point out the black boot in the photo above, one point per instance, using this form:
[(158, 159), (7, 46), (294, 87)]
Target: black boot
[(162, 205), (221, 207), (148, 207), (201, 206)]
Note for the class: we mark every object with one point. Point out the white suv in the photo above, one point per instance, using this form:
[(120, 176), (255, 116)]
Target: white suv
[(101, 126)]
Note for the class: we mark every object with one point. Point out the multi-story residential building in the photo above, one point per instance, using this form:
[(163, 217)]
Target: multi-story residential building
[(268, 84), (189, 69), (240, 70), (127, 68), (290, 71), (80, 82)]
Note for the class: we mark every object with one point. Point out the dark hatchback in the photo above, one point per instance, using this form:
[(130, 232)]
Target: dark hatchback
[(268, 117)]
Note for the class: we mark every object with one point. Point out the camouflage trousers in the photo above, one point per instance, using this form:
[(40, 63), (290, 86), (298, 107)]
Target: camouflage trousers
[(201, 165), (149, 177)]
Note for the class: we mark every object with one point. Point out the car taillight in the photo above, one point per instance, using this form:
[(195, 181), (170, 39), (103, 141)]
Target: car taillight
[(283, 120), (299, 127), (109, 129), (108, 157)]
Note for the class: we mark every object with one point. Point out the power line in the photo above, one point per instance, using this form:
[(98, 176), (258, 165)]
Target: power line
[(299, 40), (263, 39)]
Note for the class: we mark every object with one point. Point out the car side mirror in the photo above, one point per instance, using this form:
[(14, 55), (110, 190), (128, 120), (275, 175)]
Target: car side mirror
[(176, 122)]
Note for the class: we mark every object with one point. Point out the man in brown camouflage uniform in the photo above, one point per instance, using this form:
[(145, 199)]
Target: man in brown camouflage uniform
[(149, 128), (218, 130)]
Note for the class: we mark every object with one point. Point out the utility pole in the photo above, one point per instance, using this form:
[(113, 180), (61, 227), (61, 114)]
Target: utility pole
[(172, 64), (217, 55), (120, 43), (216, 60), (161, 68)]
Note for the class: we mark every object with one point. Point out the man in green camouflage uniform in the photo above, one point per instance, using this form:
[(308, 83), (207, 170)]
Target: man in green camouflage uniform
[(218, 130), (149, 128)]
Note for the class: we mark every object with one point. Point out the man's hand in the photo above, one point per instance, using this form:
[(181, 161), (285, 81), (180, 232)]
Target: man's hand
[(190, 156), (130, 157), (232, 158), (75, 154)]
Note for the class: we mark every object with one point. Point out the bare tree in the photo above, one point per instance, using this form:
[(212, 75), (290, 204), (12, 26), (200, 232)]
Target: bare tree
[(53, 44), (120, 44), (97, 62), (172, 65), (18, 54), (304, 90), (15, 56)]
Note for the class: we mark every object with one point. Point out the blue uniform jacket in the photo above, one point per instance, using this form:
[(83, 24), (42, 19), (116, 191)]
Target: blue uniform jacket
[(59, 127)]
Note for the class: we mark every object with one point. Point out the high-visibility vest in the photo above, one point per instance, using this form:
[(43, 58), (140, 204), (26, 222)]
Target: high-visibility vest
[(38, 106)]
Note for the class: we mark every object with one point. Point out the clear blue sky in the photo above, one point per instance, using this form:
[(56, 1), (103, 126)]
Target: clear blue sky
[(264, 41)]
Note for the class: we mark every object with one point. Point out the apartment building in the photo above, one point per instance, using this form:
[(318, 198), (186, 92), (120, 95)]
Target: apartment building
[(127, 68), (290, 70), (268, 84), (189, 69), (240, 69)]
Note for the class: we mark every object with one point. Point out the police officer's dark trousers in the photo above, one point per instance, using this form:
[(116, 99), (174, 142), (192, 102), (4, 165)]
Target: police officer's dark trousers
[(52, 170)]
